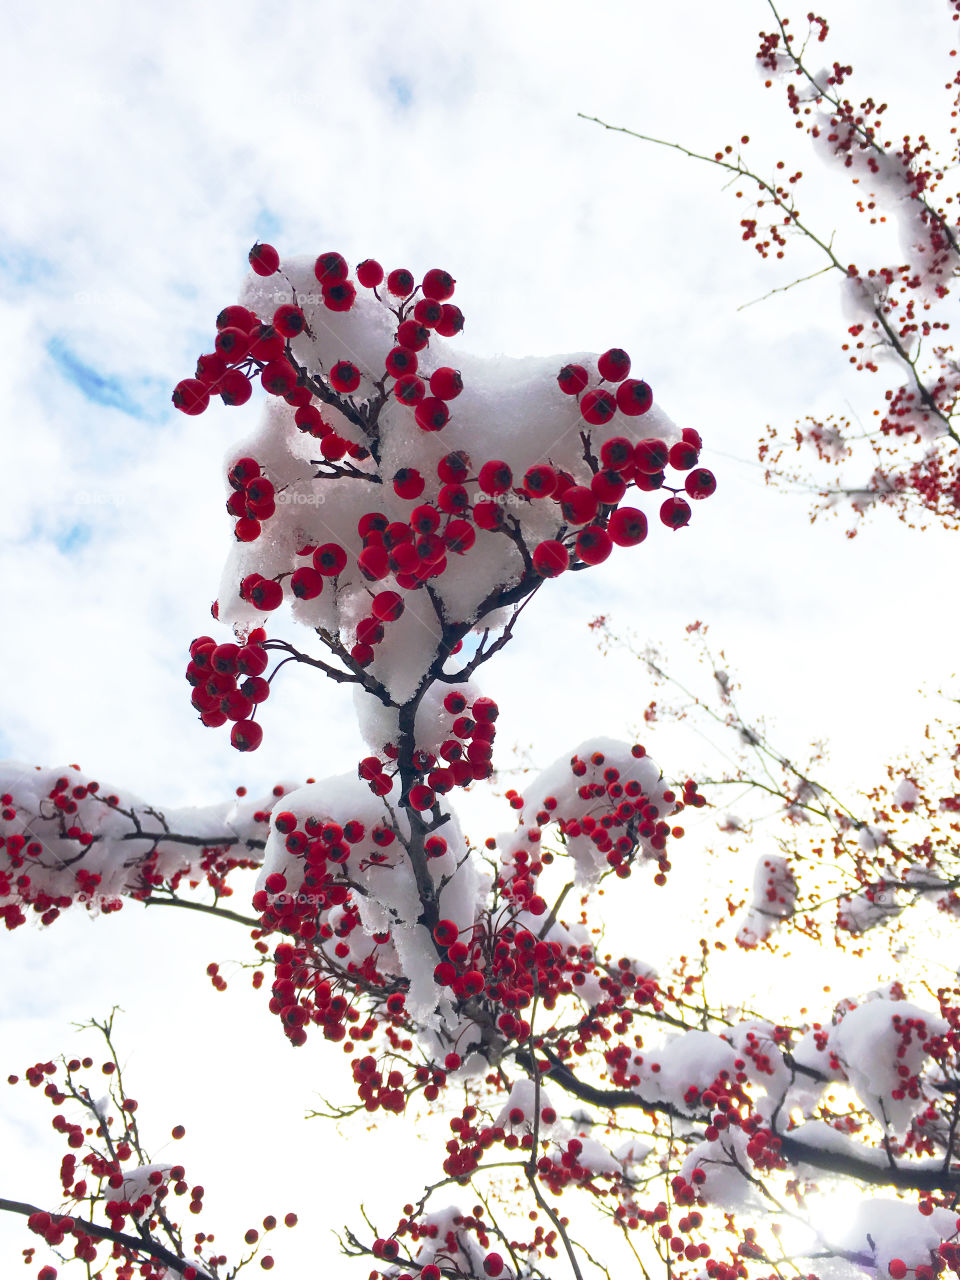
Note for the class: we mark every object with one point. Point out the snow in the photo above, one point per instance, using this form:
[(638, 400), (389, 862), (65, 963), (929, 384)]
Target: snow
[(885, 1229), (773, 900), (558, 783), (863, 911), (523, 1095), (125, 837), (867, 1041), (724, 1184), (509, 409)]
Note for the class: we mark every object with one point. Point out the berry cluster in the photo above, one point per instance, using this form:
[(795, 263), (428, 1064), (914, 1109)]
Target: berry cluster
[(228, 683), (464, 756), (461, 506)]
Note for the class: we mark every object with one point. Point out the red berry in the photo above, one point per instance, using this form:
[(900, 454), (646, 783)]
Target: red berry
[(485, 710), (191, 396), (445, 932), (432, 414), (650, 456), (598, 407), (330, 559), (616, 454), (608, 487), (399, 361), (372, 522), (373, 563), (242, 472), (387, 606), (614, 365), (344, 376), (246, 735), (369, 631), (408, 483), (459, 537), (425, 518), (370, 273), (897, 1268), (487, 515), (675, 513), (278, 377), (421, 796), (259, 491), (692, 437), (627, 526), (700, 483), (428, 312), (493, 1264), (256, 689), (330, 269), (338, 297), (593, 544), (453, 468), (446, 383), (234, 387), (438, 285), (540, 481), (550, 558), (233, 343), (224, 659), (252, 660), (634, 397), (235, 706), (572, 378), (453, 499), (409, 389), (266, 595), (683, 456), (264, 259), (578, 504), (246, 529), (362, 654), (451, 321), (306, 583), (288, 320), (265, 343), (333, 447), (210, 368), (495, 477), (240, 316), (412, 335), (400, 282)]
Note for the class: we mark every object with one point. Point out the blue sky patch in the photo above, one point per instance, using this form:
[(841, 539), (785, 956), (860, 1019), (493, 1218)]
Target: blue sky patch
[(401, 90), (20, 267), (73, 539), (267, 226), (144, 398)]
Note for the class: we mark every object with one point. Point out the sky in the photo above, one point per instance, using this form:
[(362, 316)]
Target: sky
[(145, 151)]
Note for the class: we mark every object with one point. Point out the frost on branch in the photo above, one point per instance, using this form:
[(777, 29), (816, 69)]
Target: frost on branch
[(773, 899), (65, 838), (883, 1046), (889, 1235)]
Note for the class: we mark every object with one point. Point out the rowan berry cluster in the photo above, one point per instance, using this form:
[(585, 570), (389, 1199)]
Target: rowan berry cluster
[(459, 504), (228, 683)]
